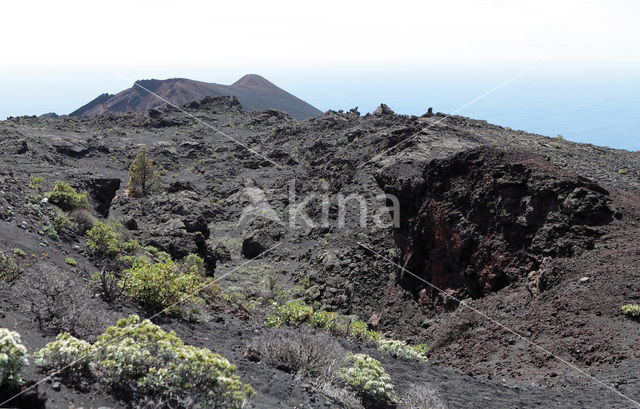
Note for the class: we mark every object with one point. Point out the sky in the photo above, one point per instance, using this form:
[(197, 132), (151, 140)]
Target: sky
[(56, 56)]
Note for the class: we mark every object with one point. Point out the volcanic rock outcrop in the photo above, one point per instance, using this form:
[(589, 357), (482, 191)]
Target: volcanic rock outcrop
[(478, 221)]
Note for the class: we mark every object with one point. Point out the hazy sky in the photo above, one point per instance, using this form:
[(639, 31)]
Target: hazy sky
[(58, 55)]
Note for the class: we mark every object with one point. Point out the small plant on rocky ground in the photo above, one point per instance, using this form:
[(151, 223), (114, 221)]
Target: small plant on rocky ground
[(13, 358), (163, 285), (60, 221), (402, 349), (631, 310), (144, 180), (296, 312), (50, 232), (70, 261), (10, 268), (35, 182), (368, 379), (103, 239), (131, 247), (137, 358), (66, 197)]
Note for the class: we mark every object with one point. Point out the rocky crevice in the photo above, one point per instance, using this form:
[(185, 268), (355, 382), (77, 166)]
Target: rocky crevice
[(480, 220)]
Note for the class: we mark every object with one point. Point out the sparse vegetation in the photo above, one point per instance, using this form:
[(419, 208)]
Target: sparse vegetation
[(66, 197), (144, 180), (60, 221), (50, 232), (70, 261), (296, 312), (35, 182), (137, 358), (631, 310)]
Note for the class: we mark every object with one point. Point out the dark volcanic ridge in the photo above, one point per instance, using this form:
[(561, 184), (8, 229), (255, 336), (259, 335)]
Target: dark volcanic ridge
[(539, 233), (253, 91)]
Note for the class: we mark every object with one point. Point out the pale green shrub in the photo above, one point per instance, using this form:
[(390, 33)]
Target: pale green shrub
[(13, 357), (143, 358), (67, 354), (632, 310), (402, 349), (368, 379)]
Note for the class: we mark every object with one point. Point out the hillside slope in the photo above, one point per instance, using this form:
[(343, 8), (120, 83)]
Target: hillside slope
[(538, 234)]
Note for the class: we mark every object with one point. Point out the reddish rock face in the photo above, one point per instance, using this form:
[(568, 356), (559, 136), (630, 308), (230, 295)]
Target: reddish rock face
[(482, 219)]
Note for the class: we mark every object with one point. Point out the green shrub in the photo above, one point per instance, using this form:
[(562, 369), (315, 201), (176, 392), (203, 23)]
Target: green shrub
[(10, 269), (35, 182), (359, 330), (103, 240), (632, 310), (324, 320), (50, 232), (13, 357), (291, 313), (131, 246), (139, 359), (60, 221), (19, 253), (66, 197), (34, 209), (402, 349), (622, 171), (143, 179), (162, 285), (194, 264), (71, 262), (297, 312), (33, 199), (368, 379)]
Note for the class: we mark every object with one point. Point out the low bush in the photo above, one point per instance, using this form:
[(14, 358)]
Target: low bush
[(137, 358), (59, 303), (68, 354), (66, 197), (83, 220), (402, 349), (368, 379), (304, 352), (131, 247), (632, 310), (13, 358), (103, 239), (296, 312), (163, 285), (60, 221), (10, 267), (70, 261), (50, 232), (35, 182), (292, 313)]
